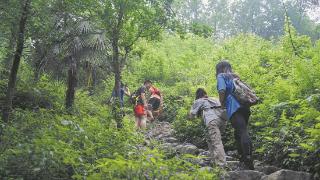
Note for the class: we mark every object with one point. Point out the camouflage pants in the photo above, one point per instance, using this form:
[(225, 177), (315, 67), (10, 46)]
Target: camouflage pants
[(214, 128)]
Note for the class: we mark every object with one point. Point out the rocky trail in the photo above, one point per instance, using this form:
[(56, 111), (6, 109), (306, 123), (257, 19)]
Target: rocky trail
[(164, 133)]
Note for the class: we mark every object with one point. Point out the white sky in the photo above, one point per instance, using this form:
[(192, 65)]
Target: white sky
[(313, 13)]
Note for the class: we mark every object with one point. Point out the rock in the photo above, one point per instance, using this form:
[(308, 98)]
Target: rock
[(314, 101), (169, 144), (232, 153), (201, 151), (204, 153), (233, 165), (267, 169), (243, 175), (229, 158), (159, 137), (170, 140), (206, 159), (206, 168), (257, 163), (201, 161), (188, 149), (205, 162), (170, 147), (147, 142), (161, 130), (285, 174)]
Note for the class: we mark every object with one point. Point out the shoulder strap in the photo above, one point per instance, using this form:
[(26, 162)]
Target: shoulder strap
[(213, 102)]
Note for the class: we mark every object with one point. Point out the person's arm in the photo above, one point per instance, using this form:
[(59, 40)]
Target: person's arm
[(194, 109), (221, 87), (127, 91), (222, 96), (161, 98)]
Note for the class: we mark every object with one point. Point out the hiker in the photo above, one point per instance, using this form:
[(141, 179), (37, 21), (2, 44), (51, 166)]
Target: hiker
[(237, 113), (155, 101), (141, 110), (215, 120), (124, 90)]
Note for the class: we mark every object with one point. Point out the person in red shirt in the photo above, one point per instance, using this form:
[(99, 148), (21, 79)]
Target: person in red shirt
[(141, 106), (155, 101)]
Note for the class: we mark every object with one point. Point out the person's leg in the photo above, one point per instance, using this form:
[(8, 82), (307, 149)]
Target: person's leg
[(237, 137), (244, 145), (155, 106), (149, 114), (215, 143), (143, 122), (137, 122)]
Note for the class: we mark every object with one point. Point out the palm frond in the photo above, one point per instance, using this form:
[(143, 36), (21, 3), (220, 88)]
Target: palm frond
[(84, 27)]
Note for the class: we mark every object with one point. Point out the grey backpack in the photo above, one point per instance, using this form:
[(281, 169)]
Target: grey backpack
[(243, 93)]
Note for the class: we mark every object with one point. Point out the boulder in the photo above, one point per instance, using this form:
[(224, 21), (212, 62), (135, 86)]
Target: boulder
[(170, 140), (188, 149), (232, 153), (204, 153), (230, 158), (169, 147), (161, 130), (199, 161), (201, 151), (285, 174), (314, 101), (267, 169), (233, 165), (204, 161), (243, 175)]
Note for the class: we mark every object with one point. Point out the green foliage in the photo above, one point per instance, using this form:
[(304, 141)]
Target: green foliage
[(52, 143), (192, 131), (148, 164), (285, 121), (44, 141)]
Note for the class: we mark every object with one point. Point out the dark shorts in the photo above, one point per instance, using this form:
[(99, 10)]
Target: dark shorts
[(155, 103)]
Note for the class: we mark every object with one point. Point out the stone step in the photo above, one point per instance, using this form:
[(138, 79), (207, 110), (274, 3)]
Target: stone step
[(230, 158), (170, 140), (187, 149), (233, 165), (285, 174), (242, 175), (267, 169)]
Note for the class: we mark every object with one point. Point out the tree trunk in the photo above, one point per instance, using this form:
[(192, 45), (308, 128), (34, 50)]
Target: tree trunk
[(116, 67), (91, 78), (71, 83), (40, 56), (16, 62), (117, 111)]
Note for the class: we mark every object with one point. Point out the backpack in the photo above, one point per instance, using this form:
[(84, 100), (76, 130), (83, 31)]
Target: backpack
[(134, 97), (243, 93)]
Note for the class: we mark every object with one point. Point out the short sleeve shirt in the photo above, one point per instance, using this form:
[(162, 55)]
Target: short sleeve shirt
[(211, 109), (225, 83)]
